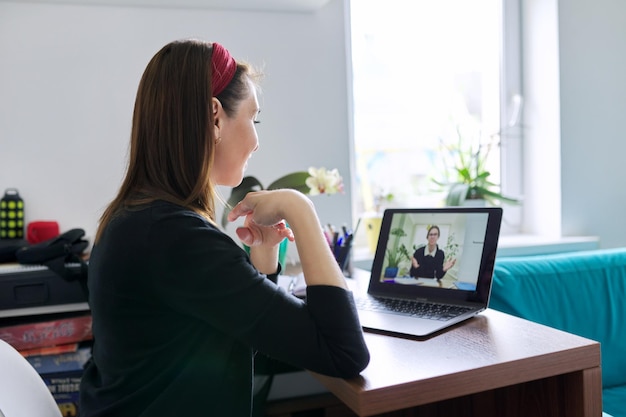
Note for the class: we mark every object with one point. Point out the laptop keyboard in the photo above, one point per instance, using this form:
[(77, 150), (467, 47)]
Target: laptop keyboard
[(411, 308)]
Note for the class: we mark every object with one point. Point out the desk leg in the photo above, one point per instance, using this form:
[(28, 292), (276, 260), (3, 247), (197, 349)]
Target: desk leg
[(577, 394), (584, 393)]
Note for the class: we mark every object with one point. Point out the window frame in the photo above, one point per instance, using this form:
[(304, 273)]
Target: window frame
[(511, 114)]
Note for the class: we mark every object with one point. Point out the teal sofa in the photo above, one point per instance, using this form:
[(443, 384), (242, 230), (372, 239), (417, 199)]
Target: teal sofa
[(579, 292)]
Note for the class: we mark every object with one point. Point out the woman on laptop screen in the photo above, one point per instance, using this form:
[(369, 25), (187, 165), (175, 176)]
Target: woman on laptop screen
[(428, 261)]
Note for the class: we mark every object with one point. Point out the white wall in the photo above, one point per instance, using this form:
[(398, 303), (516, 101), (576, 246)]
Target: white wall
[(592, 43), (574, 85), (69, 73)]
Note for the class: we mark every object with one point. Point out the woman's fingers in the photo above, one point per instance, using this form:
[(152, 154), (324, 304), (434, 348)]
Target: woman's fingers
[(242, 209)]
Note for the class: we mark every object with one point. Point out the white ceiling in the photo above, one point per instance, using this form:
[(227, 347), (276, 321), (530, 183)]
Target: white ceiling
[(256, 5)]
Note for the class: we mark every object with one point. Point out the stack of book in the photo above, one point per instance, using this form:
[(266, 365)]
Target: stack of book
[(57, 346), (48, 321)]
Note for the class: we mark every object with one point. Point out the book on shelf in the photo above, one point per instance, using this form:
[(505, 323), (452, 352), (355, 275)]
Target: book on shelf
[(65, 390), (60, 362), (47, 331), (62, 373), (50, 350)]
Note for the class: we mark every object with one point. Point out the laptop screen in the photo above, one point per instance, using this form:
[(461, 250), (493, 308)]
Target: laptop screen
[(449, 249)]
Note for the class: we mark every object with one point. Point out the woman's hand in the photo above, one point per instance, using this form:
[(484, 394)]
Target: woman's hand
[(264, 223), (265, 213), (449, 264), (263, 227), (253, 234)]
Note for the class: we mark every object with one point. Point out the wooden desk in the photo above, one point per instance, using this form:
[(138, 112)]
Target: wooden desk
[(492, 365)]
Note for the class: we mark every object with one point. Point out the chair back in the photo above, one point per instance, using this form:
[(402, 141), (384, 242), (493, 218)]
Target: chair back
[(22, 391)]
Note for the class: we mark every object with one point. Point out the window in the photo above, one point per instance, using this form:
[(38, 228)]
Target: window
[(424, 74)]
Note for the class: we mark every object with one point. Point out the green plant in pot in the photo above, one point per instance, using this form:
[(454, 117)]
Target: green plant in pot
[(467, 177), (313, 182), (396, 254)]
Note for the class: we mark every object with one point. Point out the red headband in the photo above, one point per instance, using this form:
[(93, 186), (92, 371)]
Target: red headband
[(223, 66)]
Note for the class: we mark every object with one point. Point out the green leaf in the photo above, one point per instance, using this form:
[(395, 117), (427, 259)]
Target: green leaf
[(295, 181), (497, 196), (225, 216), (483, 176), (239, 192)]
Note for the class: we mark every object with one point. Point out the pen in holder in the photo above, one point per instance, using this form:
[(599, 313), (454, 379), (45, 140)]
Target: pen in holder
[(342, 255), (341, 244)]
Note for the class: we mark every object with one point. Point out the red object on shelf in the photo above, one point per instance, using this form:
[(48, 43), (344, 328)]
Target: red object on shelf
[(40, 231)]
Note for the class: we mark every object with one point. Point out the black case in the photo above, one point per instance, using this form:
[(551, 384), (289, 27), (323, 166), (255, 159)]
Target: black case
[(24, 286)]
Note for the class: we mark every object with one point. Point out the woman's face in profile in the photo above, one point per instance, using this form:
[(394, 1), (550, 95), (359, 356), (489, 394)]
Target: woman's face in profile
[(237, 140)]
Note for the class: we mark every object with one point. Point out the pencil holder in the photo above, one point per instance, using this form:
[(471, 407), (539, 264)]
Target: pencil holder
[(342, 255)]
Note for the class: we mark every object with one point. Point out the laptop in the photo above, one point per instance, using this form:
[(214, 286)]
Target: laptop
[(433, 268)]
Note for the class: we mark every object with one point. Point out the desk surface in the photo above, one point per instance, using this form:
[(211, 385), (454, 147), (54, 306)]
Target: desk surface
[(487, 352)]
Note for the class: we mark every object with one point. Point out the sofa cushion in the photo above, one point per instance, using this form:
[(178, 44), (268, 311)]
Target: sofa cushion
[(579, 292), (613, 401)]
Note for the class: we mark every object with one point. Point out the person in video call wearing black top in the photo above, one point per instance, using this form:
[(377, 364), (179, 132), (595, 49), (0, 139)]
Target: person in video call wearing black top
[(428, 261), (179, 309)]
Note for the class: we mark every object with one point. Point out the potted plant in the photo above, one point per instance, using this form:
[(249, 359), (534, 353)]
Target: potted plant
[(467, 178), (315, 181), (396, 254)]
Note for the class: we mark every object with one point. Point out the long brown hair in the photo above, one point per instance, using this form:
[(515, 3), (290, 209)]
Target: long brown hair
[(172, 145)]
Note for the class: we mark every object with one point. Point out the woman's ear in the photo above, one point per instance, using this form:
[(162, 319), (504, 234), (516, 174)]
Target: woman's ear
[(217, 110)]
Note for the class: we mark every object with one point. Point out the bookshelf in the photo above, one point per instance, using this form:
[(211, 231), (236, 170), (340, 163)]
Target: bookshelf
[(48, 320)]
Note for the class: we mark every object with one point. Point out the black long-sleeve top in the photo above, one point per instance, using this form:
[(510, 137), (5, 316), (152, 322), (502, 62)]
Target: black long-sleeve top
[(429, 266), (179, 312)]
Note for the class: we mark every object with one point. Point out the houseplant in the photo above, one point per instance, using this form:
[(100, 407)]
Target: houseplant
[(466, 173), (396, 254), (315, 181)]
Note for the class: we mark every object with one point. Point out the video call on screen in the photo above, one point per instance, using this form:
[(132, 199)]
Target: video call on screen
[(460, 237)]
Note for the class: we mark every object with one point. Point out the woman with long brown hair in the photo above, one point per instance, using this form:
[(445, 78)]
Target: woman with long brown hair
[(179, 309)]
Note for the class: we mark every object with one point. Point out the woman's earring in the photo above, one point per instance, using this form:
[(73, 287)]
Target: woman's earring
[(217, 135)]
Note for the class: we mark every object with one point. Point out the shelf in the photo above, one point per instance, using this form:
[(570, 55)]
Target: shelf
[(522, 245)]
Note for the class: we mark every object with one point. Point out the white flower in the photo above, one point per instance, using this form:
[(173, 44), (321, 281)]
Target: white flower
[(322, 181)]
